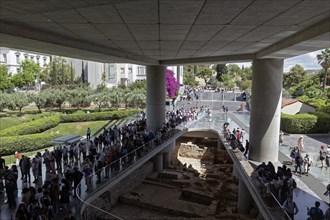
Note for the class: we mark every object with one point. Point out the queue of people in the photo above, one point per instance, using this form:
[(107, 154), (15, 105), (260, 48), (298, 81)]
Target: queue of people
[(67, 165)]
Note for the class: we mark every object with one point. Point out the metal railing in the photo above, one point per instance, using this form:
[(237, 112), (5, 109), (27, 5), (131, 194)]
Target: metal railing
[(267, 202), (115, 169), (118, 167)]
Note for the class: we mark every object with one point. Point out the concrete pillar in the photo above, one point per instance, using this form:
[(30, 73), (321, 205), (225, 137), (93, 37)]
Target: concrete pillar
[(156, 93), (158, 162), (179, 74), (166, 159), (168, 154), (244, 198), (265, 109)]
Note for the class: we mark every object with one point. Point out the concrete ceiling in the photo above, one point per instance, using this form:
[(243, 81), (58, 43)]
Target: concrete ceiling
[(166, 31)]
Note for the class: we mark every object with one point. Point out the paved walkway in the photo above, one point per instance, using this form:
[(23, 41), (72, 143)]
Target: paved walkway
[(310, 188)]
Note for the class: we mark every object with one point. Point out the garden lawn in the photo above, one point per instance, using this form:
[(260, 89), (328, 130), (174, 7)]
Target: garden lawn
[(7, 122), (77, 128)]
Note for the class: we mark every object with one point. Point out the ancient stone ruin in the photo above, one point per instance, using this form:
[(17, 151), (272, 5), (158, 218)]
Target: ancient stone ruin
[(199, 184)]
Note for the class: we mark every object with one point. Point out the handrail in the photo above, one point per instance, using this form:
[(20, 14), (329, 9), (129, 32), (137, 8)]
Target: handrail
[(251, 184), (123, 163), (246, 179), (264, 210)]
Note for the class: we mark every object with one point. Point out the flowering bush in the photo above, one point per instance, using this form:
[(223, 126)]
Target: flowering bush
[(172, 86)]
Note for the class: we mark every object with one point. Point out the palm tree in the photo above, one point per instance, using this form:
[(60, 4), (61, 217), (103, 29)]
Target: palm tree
[(324, 61)]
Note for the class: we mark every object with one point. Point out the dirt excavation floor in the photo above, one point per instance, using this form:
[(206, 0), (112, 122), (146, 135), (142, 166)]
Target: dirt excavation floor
[(197, 185)]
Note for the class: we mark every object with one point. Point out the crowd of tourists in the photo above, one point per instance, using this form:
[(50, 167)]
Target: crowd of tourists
[(66, 166), (236, 138), (281, 185), (190, 93)]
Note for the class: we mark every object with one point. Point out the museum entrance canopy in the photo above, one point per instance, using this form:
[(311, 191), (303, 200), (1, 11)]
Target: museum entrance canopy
[(166, 32)]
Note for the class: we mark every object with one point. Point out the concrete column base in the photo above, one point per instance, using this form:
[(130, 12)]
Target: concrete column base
[(167, 159), (244, 199), (158, 162)]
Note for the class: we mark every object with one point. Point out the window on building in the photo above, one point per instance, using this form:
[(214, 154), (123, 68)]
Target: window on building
[(122, 71), (26, 56), (38, 59), (4, 58), (18, 69), (32, 57), (18, 57), (141, 71), (130, 71), (112, 73)]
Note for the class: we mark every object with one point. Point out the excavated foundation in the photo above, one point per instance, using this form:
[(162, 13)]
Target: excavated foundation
[(198, 185)]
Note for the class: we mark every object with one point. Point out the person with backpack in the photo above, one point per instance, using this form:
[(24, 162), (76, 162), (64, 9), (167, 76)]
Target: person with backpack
[(293, 154), (315, 213), (290, 207), (299, 163), (77, 177)]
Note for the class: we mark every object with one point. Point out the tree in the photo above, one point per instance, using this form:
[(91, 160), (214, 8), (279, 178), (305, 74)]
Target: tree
[(205, 73), (228, 81), (4, 100), (100, 99), (57, 72), (116, 97), (189, 76), (55, 97), (102, 84), (234, 70), (39, 99), (220, 69), (5, 82), (27, 75), (172, 86), (324, 61), (78, 97), (21, 100), (138, 85), (296, 74)]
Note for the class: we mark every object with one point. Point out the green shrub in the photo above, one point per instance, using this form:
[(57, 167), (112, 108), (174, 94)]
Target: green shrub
[(300, 123), (316, 122), (31, 142), (40, 125), (97, 116), (25, 143), (32, 127), (323, 122)]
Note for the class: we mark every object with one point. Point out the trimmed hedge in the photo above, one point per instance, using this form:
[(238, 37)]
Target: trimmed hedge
[(32, 127), (41, 125), (97, 116), (31, 142), (316, 122), (323, 122), (25, 143)]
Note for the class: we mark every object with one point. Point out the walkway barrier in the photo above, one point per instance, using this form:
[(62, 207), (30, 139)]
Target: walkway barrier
[(102, 180), (268, 205)]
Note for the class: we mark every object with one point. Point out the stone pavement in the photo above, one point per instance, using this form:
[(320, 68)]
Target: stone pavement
[(310, 188)]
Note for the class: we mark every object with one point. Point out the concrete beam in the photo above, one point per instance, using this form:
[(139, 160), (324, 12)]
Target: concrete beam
[(23, 37), (316, 30), (213, 59)]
